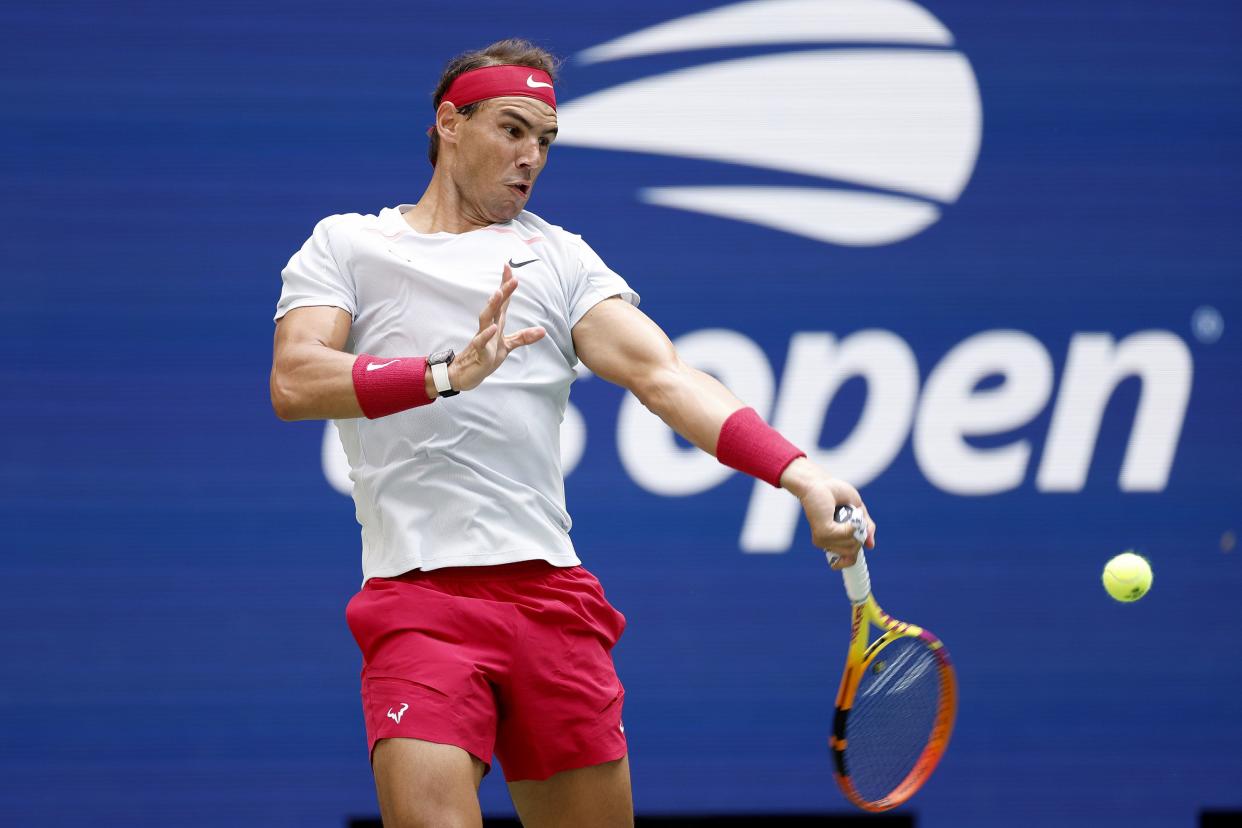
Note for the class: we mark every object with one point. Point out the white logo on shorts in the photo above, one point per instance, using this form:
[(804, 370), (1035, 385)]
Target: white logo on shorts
[(396, 717)]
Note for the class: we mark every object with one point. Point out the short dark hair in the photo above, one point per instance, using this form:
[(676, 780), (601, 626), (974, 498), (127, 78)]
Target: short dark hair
[(511, 52)]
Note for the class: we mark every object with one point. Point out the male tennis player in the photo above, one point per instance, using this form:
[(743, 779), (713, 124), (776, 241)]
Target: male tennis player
[(480, 631)]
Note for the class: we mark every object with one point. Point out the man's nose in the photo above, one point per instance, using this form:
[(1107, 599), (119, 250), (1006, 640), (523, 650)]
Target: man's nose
[(528, 156)]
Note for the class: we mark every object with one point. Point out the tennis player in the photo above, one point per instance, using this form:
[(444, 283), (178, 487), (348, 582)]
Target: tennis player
[(442, 337)]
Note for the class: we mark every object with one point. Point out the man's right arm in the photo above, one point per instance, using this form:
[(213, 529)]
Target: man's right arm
[(313, 379)]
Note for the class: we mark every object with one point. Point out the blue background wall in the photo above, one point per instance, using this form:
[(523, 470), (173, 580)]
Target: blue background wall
[(176, 565)]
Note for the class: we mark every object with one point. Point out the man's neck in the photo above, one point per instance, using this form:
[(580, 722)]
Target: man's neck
[(443, 210)]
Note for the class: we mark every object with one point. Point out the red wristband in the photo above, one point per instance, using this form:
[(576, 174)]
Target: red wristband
[(748, 444), (386, 386)]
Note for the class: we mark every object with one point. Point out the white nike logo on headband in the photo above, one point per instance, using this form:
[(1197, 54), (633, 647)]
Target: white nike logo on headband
[(534, 84)]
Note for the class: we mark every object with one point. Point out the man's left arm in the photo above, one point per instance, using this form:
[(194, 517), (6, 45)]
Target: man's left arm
[(621, 344)]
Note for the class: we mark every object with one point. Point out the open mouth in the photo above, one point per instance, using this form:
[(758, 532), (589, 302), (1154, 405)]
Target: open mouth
[(521, 189)]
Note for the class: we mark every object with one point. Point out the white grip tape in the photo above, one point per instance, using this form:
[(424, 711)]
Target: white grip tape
[(857, 580)]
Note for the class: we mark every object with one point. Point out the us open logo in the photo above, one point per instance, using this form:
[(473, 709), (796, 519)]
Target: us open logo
[(889, 117)]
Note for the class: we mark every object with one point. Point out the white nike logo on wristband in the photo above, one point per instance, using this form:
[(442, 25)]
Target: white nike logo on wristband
[(375, 366)]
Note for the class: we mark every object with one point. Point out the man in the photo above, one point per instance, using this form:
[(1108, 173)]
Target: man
[(479, 628)]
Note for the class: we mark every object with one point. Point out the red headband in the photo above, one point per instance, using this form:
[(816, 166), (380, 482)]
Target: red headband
[(498, 81)]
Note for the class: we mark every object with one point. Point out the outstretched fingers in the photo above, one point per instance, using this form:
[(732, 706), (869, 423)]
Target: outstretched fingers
[(484, 336), (491, 309), (526, 336), (498, 302), (508, 284)]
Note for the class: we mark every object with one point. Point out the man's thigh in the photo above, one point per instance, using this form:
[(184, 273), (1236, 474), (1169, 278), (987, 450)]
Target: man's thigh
[(426, 784), (598, 796), (562, 700)]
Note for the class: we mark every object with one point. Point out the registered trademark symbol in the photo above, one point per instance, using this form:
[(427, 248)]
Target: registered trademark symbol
[(1207, 324)]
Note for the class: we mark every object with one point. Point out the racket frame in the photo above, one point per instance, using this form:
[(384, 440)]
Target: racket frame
[(862, 653)]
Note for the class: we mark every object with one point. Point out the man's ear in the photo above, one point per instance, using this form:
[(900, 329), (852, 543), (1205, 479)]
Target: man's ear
[(448, 122)]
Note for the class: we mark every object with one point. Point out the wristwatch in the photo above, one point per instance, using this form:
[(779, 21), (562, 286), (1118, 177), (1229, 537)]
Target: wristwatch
[(439, 362)]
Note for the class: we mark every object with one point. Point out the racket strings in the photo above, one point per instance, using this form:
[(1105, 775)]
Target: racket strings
[(892, 718)]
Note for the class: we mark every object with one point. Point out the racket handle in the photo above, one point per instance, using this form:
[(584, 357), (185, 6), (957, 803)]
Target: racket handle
[(857, 578)]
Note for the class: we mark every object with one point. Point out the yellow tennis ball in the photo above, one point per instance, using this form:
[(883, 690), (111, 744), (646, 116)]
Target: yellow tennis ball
[(1127, 577)]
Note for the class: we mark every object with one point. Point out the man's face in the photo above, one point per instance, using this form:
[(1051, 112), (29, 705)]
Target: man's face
[(501, 150)]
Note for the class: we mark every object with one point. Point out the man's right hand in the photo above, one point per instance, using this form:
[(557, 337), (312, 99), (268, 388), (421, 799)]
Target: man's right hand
[(490, 346), (820, 495)]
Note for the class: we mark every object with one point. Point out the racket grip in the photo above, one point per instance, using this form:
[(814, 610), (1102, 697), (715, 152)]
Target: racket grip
[(857, 579)]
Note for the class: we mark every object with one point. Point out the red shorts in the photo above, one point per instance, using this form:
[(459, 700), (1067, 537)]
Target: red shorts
[(514, 658)]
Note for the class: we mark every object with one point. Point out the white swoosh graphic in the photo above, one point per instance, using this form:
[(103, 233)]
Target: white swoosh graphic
[(841, 217), (531, 82), (781, 21), (894, 119)]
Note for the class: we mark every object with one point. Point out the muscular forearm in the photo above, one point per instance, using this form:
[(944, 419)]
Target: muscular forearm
[(312, 381), (696, 405), (692, 403)]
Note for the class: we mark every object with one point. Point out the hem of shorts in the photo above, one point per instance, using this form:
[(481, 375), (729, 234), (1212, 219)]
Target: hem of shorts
[(487, 763), (484, 559), (587, 760)]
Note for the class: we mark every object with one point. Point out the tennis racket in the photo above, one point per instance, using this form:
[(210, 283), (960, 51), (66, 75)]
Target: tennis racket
[(897, 700)]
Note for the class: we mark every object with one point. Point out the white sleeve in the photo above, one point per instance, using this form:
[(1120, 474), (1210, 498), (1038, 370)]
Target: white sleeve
[(314, 276), (593, 282)]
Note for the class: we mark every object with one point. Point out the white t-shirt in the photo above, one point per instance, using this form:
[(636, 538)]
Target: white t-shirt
[(475, 479)]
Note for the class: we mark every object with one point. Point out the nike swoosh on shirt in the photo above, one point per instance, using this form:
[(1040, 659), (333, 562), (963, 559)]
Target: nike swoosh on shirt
[(534, 84), (375, 366), (521, 264)]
